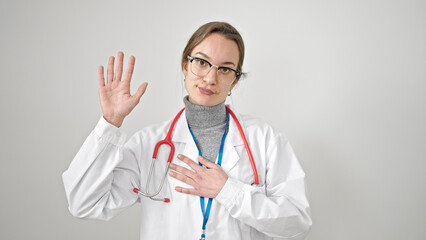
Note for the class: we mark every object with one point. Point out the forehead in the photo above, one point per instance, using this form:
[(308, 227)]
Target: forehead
[(218, 49)]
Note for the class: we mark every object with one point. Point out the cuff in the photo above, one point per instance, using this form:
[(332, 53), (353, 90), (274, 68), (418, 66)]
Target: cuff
[(228, 195), (109, 132)]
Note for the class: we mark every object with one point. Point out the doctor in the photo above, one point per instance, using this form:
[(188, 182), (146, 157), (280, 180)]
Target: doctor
[(212, 196)]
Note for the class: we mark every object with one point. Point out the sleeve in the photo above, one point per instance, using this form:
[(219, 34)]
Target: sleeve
[(100, 178), (278, 209)]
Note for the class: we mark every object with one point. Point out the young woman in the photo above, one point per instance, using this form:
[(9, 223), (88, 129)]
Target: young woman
[(232, 176)]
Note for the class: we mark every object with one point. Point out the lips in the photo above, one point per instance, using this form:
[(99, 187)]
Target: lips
[(205, 91)]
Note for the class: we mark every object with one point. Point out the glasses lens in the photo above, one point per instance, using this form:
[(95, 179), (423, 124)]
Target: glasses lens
[(201, 68), (226, 75)]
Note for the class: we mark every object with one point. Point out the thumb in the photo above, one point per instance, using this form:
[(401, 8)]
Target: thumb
[(141, 90)]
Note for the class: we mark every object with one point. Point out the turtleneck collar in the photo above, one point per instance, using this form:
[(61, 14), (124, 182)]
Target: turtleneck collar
[(204, 116)]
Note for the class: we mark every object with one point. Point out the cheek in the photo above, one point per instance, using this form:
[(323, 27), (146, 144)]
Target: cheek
[(191, 79), (189, 83), (226, 89)]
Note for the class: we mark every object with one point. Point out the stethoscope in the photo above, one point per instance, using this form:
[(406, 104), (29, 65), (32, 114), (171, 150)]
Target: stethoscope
[(168, 141)]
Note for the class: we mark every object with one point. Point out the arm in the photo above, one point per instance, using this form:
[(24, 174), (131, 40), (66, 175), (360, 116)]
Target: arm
[(279, 208), (100, 179)]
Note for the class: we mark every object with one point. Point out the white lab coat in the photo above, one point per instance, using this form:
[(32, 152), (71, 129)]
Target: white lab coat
[(100, 180)]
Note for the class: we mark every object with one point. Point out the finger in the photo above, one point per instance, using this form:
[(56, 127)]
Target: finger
[(141, 90), (182, 178), (110, 70), (101, 76), (190, 163), (183, 170), (187, 190), (129, 70), (119, 67), (206, 162)]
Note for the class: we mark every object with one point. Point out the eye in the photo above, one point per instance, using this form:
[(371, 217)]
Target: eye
[(225, 70), (201, 62)]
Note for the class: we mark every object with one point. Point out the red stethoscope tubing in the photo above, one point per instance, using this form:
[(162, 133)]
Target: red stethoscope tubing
[(243, 136), (168, 139)]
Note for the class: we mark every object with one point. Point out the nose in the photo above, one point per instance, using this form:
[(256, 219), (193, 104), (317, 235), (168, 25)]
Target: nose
[(211, 76)]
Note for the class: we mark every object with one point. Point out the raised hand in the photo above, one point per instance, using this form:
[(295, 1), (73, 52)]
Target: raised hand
[(115, 97)]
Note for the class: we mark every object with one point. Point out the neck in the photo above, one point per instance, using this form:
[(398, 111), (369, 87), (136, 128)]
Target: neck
[(200, 116)]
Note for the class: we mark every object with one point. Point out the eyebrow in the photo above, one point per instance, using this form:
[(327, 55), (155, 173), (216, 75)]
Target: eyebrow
[(208, 58)]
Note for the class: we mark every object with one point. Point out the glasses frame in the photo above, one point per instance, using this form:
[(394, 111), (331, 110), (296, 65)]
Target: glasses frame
[(191, 59)]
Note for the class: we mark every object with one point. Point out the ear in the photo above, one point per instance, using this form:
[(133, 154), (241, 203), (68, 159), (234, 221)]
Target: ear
[(185, 68)]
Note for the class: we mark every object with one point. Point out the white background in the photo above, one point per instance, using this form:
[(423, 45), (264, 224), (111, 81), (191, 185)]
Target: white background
[(344, 80)]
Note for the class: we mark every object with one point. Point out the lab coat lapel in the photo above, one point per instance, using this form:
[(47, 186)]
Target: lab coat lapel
[(181, 134), (233, 140)]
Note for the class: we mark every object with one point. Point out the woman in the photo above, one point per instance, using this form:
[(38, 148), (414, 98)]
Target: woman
[(100, 180)]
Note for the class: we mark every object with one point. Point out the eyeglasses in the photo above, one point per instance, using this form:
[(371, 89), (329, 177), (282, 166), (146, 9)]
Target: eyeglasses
[(201, 68)]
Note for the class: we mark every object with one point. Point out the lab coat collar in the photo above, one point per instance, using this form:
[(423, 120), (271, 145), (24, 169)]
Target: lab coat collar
[(233, 134), (233, 139), (181, 132)]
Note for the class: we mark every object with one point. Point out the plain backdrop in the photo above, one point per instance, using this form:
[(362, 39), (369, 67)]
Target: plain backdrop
[(344, 80)]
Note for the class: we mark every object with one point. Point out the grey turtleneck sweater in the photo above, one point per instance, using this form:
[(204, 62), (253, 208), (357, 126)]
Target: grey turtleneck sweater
[(208, 125)]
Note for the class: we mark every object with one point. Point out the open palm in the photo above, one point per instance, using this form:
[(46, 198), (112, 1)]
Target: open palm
[(116, 100)]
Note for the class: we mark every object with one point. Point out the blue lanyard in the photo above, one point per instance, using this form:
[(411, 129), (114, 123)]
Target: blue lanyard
[(206, 213)]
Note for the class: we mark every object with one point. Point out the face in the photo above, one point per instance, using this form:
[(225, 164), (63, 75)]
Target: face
[(206, 90)]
